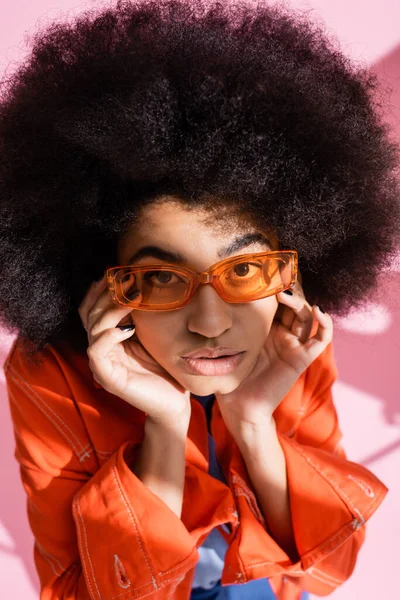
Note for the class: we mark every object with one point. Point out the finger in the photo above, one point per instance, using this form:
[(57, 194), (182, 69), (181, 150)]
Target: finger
[(99, 350), (102, 301), (279, 312), (289, 299), (323, 336), (286, 315), (98, 300), (100, 319), (98, 290), (90, 298), (108, 319), (299, 319)]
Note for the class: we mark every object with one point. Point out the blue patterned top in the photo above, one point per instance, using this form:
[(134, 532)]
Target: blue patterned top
[(207, 580), (213, 549)]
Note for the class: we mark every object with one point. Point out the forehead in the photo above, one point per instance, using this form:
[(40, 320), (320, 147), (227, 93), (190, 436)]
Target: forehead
[(169, 218), (192, 232)]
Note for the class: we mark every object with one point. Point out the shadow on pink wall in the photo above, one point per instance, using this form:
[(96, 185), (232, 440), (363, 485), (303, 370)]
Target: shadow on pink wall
[(372, 363), (369, 363)]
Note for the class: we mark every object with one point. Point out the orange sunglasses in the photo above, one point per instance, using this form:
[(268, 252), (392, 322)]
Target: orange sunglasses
[(237, 279)]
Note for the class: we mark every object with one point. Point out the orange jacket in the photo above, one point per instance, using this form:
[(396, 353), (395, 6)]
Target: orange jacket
[(101, 534)]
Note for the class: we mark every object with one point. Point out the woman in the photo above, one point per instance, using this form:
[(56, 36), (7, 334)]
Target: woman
[(222, 172)]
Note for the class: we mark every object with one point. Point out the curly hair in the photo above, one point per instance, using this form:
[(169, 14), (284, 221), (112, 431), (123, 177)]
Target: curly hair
[(249, 107)]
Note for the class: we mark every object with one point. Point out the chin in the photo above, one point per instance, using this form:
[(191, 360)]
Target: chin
[(204, 386)]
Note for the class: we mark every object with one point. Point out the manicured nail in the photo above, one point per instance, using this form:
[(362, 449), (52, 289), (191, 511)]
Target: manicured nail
[(321, 309), (125, 327), (288, 292)]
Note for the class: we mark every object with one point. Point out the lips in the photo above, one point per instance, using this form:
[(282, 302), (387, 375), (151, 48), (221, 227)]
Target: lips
[(213, 366), (212, 352)]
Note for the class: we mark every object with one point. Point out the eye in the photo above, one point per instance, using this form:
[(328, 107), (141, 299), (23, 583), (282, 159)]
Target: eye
[(243, 269), (161, 277)]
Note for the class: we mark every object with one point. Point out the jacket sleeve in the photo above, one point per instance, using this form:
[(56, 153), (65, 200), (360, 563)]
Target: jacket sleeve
[(331, 498), (99, 532)]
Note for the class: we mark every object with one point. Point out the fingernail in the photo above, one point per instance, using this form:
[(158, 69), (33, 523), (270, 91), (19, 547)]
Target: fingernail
[(288, 292), (321, 309), (125, 327)]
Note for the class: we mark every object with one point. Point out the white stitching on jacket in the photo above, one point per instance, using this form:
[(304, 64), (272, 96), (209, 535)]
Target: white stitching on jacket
[(86, 454), (114, 472), (171, 596), (50, 559), (336, 580), (339, 491), (17, 433), (165, 581), (121, 573), (104, 452), (78, 512), (366, 489), (356, 523), (46, 410), (323, 580), (244, 490)]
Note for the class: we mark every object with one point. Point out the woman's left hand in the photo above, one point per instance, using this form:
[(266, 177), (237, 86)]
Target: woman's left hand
[(287, 352)]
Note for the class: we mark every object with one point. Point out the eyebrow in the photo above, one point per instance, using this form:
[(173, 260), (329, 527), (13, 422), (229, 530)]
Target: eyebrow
[(237, 244)]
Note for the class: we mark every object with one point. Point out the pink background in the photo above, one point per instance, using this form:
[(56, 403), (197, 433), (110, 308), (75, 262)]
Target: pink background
[(366, 343)]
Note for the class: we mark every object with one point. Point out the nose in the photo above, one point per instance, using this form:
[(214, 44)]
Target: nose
[(209, 315)]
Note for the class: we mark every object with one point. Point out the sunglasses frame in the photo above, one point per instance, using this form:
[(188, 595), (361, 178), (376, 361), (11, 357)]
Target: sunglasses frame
[(199, 278)]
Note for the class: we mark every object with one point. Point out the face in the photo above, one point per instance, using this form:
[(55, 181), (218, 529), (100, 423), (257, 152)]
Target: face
[(207, 321)]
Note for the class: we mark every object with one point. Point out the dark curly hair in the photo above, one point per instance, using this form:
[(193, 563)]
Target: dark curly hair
[(249, 107)]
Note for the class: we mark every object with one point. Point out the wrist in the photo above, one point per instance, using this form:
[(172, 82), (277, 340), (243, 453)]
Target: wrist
[(252, 438), (171, 425)]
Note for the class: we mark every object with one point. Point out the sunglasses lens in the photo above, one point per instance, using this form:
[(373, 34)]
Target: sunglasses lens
[(250, 280), (151, 289)]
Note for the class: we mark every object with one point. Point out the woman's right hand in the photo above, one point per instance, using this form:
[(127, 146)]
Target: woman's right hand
[(122, 366)]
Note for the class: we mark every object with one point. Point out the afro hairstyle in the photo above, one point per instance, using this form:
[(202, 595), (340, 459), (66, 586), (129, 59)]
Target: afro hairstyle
[(250, 105)]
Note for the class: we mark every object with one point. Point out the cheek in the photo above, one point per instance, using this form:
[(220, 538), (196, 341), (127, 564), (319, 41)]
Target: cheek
[(156, 332), (260, 318)]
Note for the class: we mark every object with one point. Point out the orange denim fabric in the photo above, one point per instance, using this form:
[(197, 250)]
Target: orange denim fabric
[(101, 534)]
